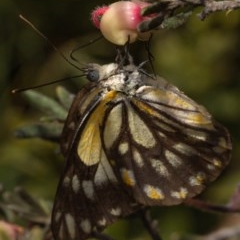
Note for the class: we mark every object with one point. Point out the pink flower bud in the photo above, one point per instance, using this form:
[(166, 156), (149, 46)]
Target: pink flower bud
[(118, 22), (97, 15)]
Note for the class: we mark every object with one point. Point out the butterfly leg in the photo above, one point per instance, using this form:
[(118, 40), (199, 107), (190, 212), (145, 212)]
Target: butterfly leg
[(206, 206), (150, 224), (123, 57), (150, 55)]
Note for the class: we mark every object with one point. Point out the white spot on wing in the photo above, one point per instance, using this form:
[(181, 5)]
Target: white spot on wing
[(217, 163), (112, 126), (211, 167), (137, 158), (153, 192), (173, 159), (86, 226), (57, 216), (196, 134), (88, 189), (100, 175), (66, 181), (184, 149), (198, 179), (102, 222), (159, 167), (223, 143), (123, 148), (116, 211), (181, 194), (75, 183), (104, 171), (70, 223), (162, 135), (141, 134)]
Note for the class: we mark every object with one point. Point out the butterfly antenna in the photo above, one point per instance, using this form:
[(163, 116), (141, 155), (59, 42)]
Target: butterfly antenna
[(82, 46), (150, 55), (49, 42), (17, 90)]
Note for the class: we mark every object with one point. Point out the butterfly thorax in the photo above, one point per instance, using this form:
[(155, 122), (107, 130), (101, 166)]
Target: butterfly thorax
[(126, 79)]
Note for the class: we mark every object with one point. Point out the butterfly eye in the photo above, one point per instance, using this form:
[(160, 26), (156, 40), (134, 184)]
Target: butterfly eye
[(93, 75)]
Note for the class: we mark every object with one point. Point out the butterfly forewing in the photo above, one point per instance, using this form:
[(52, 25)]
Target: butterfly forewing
[(89, 196), (130, 142)]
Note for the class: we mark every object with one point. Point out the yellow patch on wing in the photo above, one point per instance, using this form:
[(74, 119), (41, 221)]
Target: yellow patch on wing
[(197, 118), (153, 192), (198, 179), (182, 103), (181, 194), (192, 117), (89, 147), (128, 177), (217, 163), (145, 108)]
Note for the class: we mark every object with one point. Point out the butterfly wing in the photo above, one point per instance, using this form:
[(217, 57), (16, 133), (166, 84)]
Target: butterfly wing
[(89, 195), (125, 150), (168, 148)]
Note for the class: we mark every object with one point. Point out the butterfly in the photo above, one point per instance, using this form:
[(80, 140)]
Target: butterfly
[(132, 140)]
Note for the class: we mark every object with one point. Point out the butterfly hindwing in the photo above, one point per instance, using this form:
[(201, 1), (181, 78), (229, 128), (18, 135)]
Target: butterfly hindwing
[(169, 147)]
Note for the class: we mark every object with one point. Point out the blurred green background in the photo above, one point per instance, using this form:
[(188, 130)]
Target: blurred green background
[(201, 58)]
